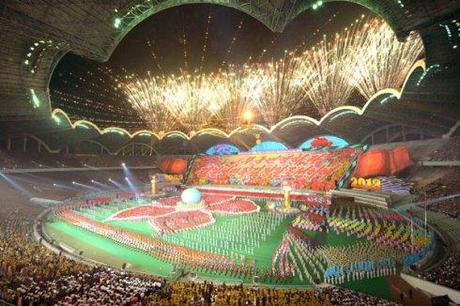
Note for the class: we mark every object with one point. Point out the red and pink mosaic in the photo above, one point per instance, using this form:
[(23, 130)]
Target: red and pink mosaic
[(164, 216)]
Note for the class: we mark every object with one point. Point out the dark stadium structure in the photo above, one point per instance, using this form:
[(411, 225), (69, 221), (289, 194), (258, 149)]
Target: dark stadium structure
[(97, 213)]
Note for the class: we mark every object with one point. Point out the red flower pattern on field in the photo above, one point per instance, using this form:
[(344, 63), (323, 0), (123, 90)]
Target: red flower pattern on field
[(166, 218)]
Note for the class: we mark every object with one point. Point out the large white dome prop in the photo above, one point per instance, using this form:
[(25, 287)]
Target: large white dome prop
[(191, 196)]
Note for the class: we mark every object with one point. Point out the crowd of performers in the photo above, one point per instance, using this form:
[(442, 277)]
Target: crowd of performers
[(297, 255), (315, 170), (388, 240), (175, 254), (392, 240), (359, 261), (233, 236)]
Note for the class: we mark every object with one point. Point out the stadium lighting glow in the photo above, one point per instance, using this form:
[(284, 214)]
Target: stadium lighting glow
[(87, 186), (248, 116), (130, 184), (116, 130), (119, 186), (16, 186), (100, 184), (35, 100), (83, 126), (317, 5), (117, 22), (387, 99), (57, 119)]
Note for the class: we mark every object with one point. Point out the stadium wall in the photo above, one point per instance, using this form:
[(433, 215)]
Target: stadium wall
[(432, 288)]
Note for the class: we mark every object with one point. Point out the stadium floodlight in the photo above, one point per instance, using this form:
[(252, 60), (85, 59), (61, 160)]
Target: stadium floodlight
[(117, 22), (247, 116), (16, 186)]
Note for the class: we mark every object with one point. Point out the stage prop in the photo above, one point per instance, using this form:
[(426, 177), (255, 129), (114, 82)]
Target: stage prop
[(153, 181), (383, 162), (173, 165), (315, 170)]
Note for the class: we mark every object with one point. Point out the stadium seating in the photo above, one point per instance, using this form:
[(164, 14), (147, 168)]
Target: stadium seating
[(450, 151), (445, 186), (28, 160), (447, 273)]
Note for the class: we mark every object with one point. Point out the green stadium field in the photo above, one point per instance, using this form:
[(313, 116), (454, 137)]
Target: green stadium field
[(209, 238)]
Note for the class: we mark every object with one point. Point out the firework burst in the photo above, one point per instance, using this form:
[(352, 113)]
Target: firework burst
[(365, 57), (380, 60), (274, 89)]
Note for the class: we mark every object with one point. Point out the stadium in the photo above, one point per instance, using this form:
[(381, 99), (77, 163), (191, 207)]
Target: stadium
[(230, 153)]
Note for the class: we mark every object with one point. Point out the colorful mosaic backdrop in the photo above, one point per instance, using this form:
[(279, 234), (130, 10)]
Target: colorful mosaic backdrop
[(316, 170)]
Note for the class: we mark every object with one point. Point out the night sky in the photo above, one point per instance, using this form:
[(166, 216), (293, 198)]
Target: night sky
[(85, 89)]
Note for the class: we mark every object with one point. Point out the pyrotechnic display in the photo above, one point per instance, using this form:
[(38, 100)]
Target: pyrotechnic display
[(230, 152), (366, 57)]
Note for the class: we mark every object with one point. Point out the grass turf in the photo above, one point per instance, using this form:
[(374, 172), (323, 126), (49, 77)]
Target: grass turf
[(377, 286), (107, 251)]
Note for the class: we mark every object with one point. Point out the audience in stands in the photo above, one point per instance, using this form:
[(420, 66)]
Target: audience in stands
[(448, 152), (32, 274), (222, 295), (447, 274), (24, 160), (345, 297), (447, 185)]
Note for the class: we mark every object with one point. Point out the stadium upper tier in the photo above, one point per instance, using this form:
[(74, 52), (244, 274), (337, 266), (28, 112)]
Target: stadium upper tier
[(28, 160)]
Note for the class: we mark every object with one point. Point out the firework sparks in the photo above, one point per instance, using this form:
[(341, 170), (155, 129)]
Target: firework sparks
[(187, 102), (322, 73), (381, 61), (230, 115), (366, 57), (275, 90)]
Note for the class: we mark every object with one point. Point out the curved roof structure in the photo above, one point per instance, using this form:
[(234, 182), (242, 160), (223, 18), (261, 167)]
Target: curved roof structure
[(389, 112), (351, 123), (35, 35)]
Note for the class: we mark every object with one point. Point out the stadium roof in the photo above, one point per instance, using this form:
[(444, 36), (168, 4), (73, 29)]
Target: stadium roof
[(36, 34)]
